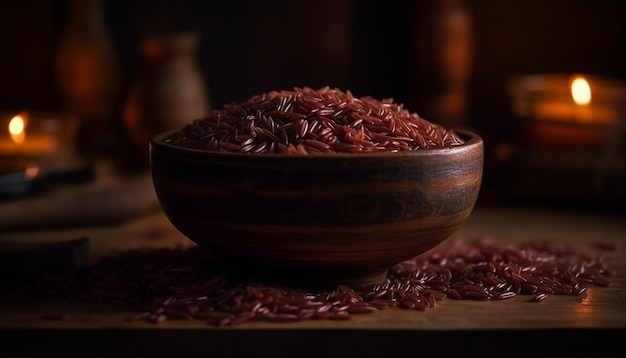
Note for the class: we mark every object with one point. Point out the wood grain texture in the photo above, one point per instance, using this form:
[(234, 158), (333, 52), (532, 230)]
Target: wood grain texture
[(339, 214)]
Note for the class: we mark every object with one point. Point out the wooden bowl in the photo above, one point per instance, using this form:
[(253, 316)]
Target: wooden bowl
[(318, 220)]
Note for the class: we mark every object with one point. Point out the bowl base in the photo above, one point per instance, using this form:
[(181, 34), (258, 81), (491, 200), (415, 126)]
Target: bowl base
[(311, 279)]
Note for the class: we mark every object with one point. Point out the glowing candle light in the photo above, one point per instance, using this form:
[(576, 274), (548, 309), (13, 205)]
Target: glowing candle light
[(579, 106), (17, 127), (581, 92), (22, 142)]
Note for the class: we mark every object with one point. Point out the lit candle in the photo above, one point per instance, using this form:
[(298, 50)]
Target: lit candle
[(569, 115), (18, 140), (580, 106)]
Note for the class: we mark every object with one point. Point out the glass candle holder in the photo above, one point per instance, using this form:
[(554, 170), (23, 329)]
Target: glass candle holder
[(571, 136), (28, 136)]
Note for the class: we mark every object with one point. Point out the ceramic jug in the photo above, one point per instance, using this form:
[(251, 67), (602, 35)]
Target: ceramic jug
[(169, 90)]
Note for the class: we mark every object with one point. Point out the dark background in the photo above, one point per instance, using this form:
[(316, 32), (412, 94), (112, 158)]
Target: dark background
[(378, 48), (299, 39)]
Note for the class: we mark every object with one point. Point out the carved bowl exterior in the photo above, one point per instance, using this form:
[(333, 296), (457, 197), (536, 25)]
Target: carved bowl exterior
[(345, 216)]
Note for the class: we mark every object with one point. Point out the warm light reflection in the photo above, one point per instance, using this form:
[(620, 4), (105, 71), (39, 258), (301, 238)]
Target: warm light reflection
[(587, 303), (32, 171), (17, 128), (581, 92)]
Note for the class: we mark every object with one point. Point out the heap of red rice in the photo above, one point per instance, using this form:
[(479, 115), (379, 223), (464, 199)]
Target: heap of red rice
[(307, 121)]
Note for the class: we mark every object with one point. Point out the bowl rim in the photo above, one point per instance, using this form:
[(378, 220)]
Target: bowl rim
[(471, 140)]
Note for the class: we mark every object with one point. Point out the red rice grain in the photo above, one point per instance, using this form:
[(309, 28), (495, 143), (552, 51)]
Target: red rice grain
[(192, 284), (539, 297), (306, 121)]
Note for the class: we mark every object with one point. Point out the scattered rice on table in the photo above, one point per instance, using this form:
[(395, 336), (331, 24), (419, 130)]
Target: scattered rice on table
[(192, 284)]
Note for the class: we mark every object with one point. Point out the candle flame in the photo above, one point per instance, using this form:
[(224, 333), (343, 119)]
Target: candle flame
[(17, 128), (581, 92)]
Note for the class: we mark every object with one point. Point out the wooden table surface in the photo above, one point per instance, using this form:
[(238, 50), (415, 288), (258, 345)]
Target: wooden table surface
[(572, 325)]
